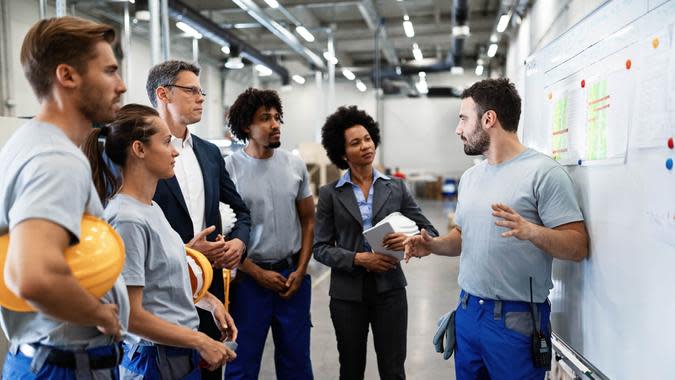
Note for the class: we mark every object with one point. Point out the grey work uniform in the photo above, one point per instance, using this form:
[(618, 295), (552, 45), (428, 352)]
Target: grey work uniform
[(538, 189), (45, 176), (155, 260)]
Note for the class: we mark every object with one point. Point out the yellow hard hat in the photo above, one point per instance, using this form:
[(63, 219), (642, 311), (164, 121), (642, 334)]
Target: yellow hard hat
[(201, 273), (96, 262)]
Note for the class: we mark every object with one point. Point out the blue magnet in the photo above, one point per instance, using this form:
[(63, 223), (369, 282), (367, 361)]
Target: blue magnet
[(669, 164)]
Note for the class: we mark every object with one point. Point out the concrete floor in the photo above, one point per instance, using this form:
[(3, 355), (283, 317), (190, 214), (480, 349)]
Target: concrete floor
[(432, 291)]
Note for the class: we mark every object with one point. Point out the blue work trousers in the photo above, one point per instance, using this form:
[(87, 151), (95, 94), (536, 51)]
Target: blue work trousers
[(160, 363), (255, 309), (18, 367), (494, 339)]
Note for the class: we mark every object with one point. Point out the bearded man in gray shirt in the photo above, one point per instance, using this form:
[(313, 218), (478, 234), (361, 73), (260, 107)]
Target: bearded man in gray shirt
[(516, 212)]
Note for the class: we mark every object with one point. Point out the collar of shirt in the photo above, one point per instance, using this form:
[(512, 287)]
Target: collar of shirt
[(179, 143), (347, 178)]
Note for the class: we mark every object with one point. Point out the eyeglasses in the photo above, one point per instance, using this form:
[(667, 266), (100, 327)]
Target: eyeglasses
[(194, 91)]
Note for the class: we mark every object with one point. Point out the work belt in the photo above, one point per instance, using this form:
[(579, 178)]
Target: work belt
[(80, 360), (286, 263)]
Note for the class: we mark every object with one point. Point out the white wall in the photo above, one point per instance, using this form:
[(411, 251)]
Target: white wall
[(23, 14), (418, 134)]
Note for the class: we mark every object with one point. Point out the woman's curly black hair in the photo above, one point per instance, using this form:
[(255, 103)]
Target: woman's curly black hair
[(245, 107), (333, 132)]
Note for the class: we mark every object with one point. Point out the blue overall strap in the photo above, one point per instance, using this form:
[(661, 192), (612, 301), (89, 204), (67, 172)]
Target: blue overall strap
[(465, 299)]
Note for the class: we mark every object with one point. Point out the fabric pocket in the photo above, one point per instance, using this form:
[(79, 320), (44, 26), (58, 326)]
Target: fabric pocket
[(520, 322)]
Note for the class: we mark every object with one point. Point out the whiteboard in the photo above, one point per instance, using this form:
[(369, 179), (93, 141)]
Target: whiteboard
[(616, 308)]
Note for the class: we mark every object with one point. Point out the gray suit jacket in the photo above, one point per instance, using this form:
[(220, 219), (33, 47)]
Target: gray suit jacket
[(338, 234)]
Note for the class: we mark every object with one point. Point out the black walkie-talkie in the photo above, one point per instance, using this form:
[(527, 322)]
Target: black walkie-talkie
[(541, 343)]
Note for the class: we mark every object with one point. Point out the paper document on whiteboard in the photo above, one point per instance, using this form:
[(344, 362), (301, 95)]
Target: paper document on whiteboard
[(376, 234)]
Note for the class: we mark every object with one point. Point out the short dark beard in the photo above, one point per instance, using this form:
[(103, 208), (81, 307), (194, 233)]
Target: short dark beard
[(478, 144), (273, 145)]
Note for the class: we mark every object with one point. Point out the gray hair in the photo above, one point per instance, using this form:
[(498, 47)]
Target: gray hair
[(166, 73)]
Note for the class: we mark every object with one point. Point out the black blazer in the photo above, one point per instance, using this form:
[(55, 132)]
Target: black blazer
[(338, 234), (218, 187)]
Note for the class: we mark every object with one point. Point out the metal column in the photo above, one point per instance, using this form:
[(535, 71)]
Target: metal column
[(126, 48), (166, 37), (43, 9), (6, 90), (331, 71), (155, 43), (61, 9)]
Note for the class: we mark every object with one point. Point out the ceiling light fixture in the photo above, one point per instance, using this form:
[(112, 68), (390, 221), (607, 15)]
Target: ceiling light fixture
[(417, 53), (225, 49), (348, 74), (299, 79), (457, 70), (263, 71), (330, 58), (492, 50), (361, 86), (479, 70), (461, 31), (408, 27), (272, 3), (304, 33), (503, 22), (187, 29)]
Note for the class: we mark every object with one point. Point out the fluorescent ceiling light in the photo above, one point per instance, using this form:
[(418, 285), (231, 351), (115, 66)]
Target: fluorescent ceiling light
[(272, 3), (422, 87), (187, 29), (298, 79), (225, 49), (362, 87), (417, 53), (304, 33), (492, 50), (143, 15), (457, 70), (348, 74), (234, 63), (479, 70), (461, 31), (503, 23), (132, 1), (408, 27), (330, 58), (422, 74), (263, 70)]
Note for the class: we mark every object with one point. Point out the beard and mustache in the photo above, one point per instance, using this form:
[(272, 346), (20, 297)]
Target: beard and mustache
[(478, 143)]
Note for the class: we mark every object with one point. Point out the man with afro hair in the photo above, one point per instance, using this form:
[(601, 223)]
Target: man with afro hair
[(273, 288)]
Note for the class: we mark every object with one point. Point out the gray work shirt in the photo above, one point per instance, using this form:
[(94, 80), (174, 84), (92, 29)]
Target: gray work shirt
[(537, 188), (45, 176), (270, 188), (155, 260)]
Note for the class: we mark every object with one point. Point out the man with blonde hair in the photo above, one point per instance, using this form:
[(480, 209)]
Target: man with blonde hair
[(45, 189)]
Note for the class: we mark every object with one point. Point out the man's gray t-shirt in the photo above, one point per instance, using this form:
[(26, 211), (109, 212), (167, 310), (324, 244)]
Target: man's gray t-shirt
[(537, 188), (45, 176), (270, 188), (155, 260)]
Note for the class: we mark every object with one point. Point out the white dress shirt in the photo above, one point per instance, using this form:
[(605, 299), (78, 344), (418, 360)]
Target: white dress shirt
[(190, 179)]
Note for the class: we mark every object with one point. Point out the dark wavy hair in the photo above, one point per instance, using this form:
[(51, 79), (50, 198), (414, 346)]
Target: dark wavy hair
[(245, 107), (133, 123), (499, 95), (333, 132)]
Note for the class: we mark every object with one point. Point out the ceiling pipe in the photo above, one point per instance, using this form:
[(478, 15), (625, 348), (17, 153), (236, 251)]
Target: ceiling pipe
[(374, 21), (460, 16), (282, 33), (209, 29)]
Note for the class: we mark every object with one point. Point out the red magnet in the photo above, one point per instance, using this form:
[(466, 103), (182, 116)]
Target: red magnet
[(628, 64), (671, 145), (583, 83)]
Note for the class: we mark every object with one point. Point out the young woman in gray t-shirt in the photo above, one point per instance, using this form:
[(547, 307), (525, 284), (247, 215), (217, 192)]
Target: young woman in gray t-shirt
[(163, 339)]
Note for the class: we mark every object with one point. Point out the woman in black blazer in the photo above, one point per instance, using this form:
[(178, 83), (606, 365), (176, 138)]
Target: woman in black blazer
[(367, 288)]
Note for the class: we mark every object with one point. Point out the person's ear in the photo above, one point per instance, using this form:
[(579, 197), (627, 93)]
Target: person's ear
[(162, 94), (489, 119), (138, 149), (66, 76)]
